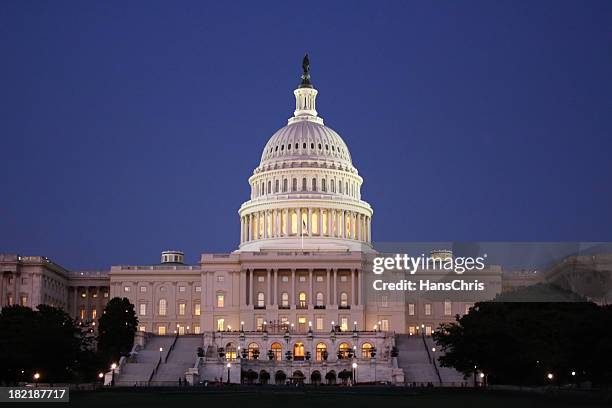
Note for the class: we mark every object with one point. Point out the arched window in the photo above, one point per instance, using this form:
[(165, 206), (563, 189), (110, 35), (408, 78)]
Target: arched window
[(253, 351), (277, 351), (269, 187), (332, 184), (314, 184), (321, 351), (304, 184), (302, 300), (323, 185), (298, 351), (343, 350), (294, 185), (230, 351), (366, 349), (163, 306), (343, 299), (276, 186), (319, 299), (284, 185), (261, 299), (285, 299)]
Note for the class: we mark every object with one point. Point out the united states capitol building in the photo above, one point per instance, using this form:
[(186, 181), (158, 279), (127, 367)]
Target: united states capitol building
[(290, 304)]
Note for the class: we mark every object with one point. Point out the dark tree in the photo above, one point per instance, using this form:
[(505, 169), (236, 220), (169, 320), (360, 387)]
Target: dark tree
[(520, 342), (44, 341), (116, 329)]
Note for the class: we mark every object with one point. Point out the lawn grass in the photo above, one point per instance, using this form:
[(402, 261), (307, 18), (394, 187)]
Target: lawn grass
[(272, 397)]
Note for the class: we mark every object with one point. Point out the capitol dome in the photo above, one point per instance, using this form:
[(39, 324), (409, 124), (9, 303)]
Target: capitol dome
[(305, 193)]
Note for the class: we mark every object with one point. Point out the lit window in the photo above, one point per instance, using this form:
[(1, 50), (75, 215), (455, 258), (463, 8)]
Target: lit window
[(384, 301), (220, 278), (285, 279), (81, 314), (344, 323), (447, 308), (411, 309), (198, 289), (302, 300), (302, 279), (220, 324), (94, 313), (143, 289), (319, 323), (24, 301), (162, 307), (181, 309), (181, 289), (343, 299), (260, 279), (412, 330), (125, 289), (319, 278), (161, 330), (196, 329), (259, 323), (319, 299), (384, 325), (105, 294), (366, 350), (428, 330), (142, 328), (261, 299), (220, 300), (284, 299), (143, 309), (197, 310), (427, 309)]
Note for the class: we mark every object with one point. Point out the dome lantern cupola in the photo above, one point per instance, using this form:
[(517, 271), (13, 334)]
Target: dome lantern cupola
[(305, 98)]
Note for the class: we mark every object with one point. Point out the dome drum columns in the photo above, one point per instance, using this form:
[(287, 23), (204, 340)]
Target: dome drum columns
[(307, 222)]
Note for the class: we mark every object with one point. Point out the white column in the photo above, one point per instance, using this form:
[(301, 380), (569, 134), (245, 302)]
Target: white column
[(311, 294), (293, 302), (251, 290), (320, 223), (329, 299), (309, 221), (275, 287), (269, 289), (343, 219), (335, 289), (353, 297), (359, 285)]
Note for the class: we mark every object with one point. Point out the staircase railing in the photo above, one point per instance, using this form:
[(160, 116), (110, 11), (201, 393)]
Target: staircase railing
[(154, 371), (171, 348), (432, 360)]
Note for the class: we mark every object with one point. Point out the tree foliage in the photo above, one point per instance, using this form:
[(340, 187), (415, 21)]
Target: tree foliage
[(520, 342), (116, 329), (45, 340)]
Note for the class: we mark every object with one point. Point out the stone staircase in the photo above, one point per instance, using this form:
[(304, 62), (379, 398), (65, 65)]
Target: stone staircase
[(450, 377), (138, 370), (182, 356), (414, 360)]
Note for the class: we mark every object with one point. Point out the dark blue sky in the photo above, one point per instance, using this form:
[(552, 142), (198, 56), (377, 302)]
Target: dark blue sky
[(132, 127)]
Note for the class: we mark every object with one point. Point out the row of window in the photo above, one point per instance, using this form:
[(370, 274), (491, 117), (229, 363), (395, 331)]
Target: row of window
[(448, 308), (302, 299), (296, 146), (262, 188), (162, 308), (180, 329), (181, 289), (254, 351)]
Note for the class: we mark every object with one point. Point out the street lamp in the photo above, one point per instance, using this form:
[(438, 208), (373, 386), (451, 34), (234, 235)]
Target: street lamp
[(354, 373), (242, 326), (36, 378), (355, 325), (113, 366), (161, 349), (229, 366), (550, 376)]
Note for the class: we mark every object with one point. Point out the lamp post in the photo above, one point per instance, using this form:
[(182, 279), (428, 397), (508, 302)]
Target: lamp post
[(161, 349), (229, 366), (113, 367), (241, 326), (101, 377), (354, 373), (36, 377)]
